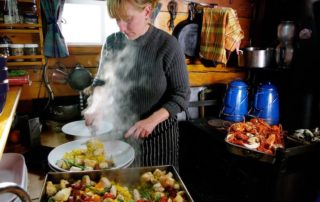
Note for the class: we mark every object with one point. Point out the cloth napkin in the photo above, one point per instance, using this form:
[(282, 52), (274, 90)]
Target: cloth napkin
[(220, 31)]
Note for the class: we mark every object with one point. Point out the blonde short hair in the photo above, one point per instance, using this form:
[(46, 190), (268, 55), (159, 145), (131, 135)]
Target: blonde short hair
[(117, 8)]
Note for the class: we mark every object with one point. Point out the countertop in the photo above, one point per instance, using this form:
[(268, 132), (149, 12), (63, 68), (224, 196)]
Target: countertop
[(7, 115)]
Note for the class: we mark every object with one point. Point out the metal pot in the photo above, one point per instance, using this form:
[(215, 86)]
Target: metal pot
[(256, 57), (65, 113)]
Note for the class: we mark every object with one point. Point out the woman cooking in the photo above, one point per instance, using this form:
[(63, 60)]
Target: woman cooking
[(143, 80)]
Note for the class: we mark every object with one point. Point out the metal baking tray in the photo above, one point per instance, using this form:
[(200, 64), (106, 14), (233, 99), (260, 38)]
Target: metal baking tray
[(125, 176), (249, 153)]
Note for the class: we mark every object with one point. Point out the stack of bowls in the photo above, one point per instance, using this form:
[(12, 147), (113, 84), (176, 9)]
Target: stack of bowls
[(4, 84)]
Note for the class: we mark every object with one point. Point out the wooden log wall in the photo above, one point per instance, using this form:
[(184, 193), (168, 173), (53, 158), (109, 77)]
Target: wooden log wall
[(89, 56)]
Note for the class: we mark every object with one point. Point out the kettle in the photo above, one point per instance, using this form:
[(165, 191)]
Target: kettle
[(266, 103), (235, 102)]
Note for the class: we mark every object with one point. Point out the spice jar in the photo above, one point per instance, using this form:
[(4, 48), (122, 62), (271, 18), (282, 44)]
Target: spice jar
[(31, 49), (4, 49), (17, 50), (30, 18)]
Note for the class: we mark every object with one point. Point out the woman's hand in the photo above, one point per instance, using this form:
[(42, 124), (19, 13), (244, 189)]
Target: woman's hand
[(143, 128), (93, 111)]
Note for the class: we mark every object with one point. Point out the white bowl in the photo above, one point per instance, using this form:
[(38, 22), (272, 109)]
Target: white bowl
[(121, 152)]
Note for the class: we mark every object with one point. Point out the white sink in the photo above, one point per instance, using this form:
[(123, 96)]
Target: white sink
[(13, 169)]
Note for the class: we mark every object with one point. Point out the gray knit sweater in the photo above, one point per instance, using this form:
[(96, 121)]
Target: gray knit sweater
[(145, 74)]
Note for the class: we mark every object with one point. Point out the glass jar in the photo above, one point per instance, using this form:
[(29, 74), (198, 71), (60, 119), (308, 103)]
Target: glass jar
[(31, 49), (30, 18), (4, 49), (17, 50)]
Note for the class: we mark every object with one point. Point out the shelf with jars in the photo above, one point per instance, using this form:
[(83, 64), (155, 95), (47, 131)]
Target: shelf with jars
[(23, 28)]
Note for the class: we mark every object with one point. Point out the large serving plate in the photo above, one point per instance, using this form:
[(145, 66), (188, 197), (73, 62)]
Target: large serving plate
[(121, 152), (79, 128), (249, 153), (13, 169), (125, 176)]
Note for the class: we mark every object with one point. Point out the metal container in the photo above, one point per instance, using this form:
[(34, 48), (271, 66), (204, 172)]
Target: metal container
[(256, 57), (235, 101), (127, 177), (286, 31), (266, 103), (249, 153)]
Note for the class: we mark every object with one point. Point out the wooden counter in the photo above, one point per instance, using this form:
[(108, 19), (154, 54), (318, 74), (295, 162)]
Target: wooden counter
[(7, 115)]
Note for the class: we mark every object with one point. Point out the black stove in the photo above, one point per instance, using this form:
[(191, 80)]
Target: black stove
[(212, 173)]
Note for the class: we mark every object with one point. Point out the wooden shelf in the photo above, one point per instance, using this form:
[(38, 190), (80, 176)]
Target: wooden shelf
[(24, 57), (20, 31), (23, 1), (27, 61), (24, 63), (26, 33), (22, 26)]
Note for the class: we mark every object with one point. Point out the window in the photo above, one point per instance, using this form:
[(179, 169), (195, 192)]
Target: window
[(86, 22)]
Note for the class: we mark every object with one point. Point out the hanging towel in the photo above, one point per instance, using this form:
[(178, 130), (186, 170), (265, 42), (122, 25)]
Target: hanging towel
[(220, 31)]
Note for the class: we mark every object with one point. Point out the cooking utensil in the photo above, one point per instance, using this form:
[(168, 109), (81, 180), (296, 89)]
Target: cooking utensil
[(188, 33), (256, 57), (80, 78), (65, 113), (249, 153), (126, 176), (59, 75), (286, 31), (121, 152), (284, 55), (266, 103), (235, 101)]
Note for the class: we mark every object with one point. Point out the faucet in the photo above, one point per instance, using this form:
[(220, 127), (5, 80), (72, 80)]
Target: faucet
[(16, 189)]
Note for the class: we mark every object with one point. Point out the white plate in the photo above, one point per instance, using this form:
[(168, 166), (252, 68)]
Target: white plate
[(121, 152), (78, 128), (12, 169)]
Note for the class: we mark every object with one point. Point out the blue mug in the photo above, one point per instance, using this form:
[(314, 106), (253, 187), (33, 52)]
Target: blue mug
[(235, 102), (266, 103)]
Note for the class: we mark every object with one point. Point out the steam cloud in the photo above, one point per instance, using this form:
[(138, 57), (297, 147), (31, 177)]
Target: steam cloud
[(112, 102)]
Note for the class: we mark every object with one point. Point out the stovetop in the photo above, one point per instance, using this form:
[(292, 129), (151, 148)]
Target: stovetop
[(211, 172)]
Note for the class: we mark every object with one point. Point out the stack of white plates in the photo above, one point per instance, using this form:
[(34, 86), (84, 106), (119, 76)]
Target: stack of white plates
[(79, 129), (121, 153), (13, 169)]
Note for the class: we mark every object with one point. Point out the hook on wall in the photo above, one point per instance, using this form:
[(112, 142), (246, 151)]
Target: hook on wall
[(172, 8)]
